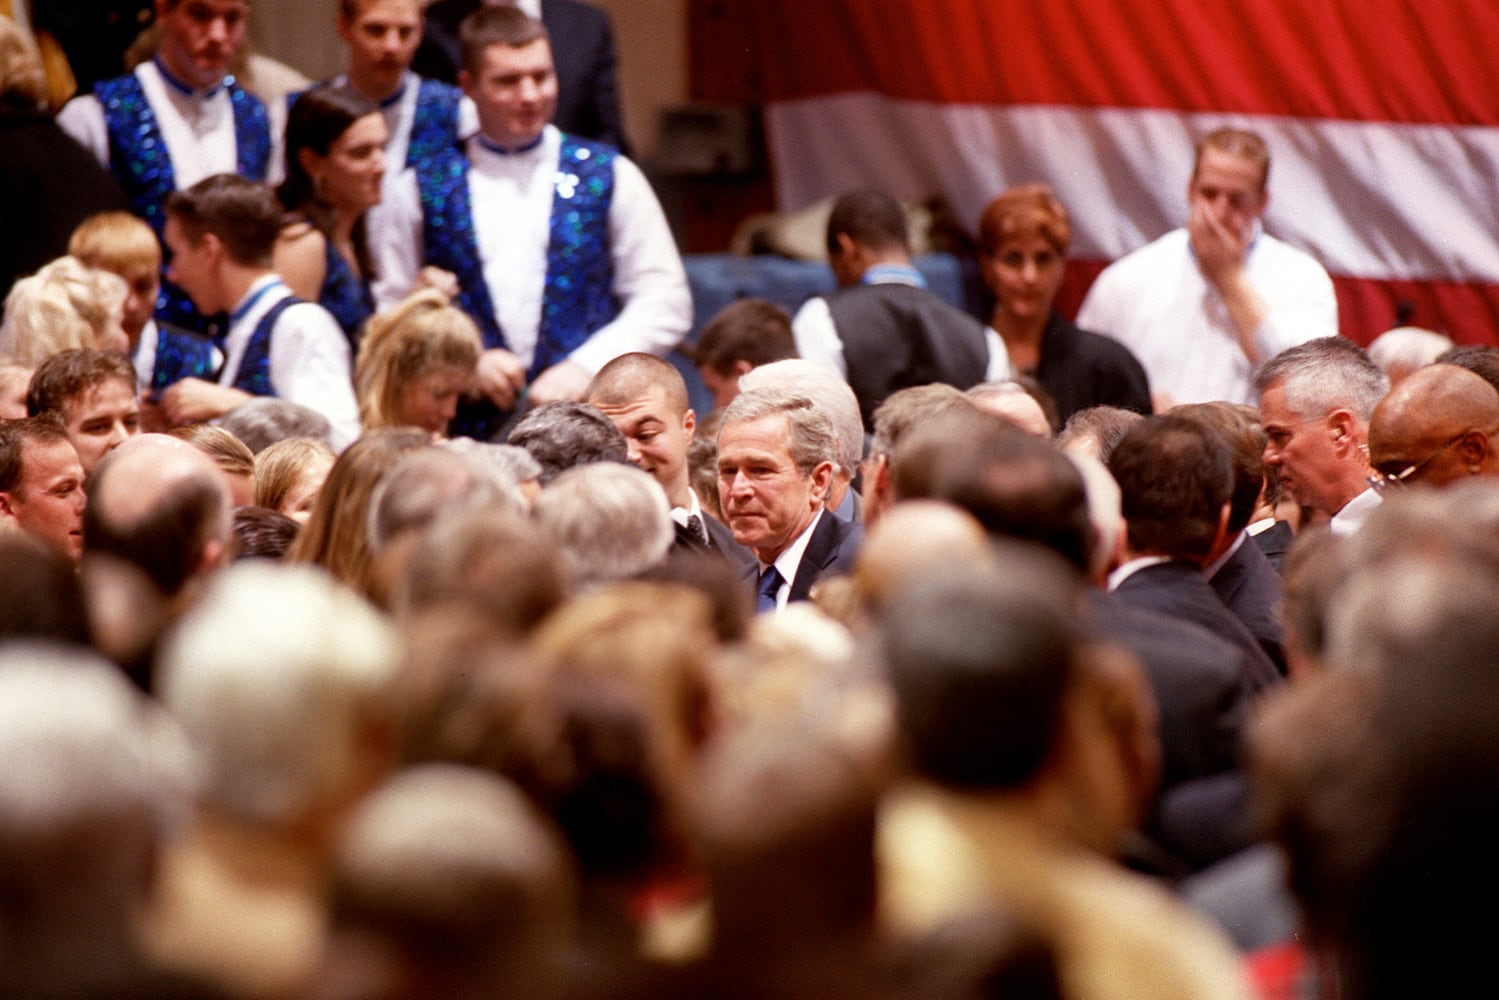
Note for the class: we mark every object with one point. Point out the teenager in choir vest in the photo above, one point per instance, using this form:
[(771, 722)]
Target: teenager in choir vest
[(578, 295)]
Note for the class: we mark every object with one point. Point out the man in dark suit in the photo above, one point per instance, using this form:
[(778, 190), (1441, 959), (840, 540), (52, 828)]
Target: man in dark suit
[(646, 399), (1019, 487), (1176, 481), (1237, 569), (776, 453), (582, 49)]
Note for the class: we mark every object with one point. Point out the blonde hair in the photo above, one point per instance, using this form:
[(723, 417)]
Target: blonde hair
[(65, 305), (281, 466), (23, 80), (228, 452), (401, 344), (115, 241), (335, 537)]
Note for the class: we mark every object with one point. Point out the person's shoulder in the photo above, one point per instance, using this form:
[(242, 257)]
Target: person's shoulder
[(1146, 259), (1095, 345), (574, 146), (1278, 253)]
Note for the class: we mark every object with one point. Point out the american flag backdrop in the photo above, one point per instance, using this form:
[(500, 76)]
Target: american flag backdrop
[(1381, 117)]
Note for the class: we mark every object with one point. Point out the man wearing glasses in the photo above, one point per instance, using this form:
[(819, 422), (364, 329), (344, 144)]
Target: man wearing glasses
[(1436, 427), (1316, 400)]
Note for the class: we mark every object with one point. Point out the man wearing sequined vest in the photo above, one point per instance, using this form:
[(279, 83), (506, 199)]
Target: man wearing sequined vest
[(561, 251), (178, 118)]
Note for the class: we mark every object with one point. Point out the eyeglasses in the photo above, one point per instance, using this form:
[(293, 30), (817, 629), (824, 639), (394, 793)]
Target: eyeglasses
[(1382, 481)]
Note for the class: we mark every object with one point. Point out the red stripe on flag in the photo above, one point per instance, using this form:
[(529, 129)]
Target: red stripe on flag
[(1366, 306), (1372, 60)]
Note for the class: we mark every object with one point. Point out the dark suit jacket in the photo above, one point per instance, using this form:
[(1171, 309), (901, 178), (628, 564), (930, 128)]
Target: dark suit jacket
[(1249, 586), (720, 542), (831, 550), (1202, 692), (49, 184), (1200, 683), (582, 51), (1178, 589), (1274, 541)]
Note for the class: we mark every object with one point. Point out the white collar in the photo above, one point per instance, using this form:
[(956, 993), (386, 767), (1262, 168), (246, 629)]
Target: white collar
[(790, 558), (1212, 568), (693, 509), (1355, 512), (1132, 567)]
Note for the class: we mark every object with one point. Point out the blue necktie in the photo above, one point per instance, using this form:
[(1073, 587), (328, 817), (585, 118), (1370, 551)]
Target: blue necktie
[(770, 586)]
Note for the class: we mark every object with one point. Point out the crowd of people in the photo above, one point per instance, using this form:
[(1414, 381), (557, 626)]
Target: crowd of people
[(380, 621)]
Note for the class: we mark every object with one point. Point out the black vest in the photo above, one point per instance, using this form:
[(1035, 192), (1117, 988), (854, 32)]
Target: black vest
[(896, 336)]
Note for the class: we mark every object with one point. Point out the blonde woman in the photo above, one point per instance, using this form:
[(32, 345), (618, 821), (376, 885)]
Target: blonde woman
[(65, 305), (414, 362), (289, 475)]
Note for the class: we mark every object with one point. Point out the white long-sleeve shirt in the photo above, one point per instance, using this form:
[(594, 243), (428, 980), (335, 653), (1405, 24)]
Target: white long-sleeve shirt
[(511, 197)]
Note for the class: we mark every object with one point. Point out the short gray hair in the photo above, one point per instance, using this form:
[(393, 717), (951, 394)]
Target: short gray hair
[(827, 391), (610, 520), (1406, 348), (264, 420), (425, 485), (810, 436), (1323, 375)]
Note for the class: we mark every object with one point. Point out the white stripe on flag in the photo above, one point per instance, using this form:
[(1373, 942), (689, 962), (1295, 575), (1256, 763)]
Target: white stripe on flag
[(1368, 199)]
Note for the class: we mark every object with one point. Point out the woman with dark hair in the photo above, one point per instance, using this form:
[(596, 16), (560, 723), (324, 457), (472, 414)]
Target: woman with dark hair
[(335, 165)]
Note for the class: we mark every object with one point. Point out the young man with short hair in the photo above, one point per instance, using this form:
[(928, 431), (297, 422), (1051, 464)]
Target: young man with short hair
[(221, 232), (562, 253), (93, 393), (41, 483), (178, 118)]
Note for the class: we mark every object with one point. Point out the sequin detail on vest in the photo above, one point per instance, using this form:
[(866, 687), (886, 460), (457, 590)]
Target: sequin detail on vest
[(344, 295), (254, 375), (180, 355), (138, 154), (434, 127), (579, 294)]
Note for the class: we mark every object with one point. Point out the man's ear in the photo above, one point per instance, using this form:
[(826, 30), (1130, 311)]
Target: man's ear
[(466, 82), (1473, 448), (741, 368), (822, 480), (880, 486), (1343, 428), (7, 511), (213, 247), (689, 422)]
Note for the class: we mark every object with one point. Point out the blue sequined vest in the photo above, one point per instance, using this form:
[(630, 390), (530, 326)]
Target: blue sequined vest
[(578, 297), (344, 295), (434, 128), (180, 355), (138, 154), (254, 375)]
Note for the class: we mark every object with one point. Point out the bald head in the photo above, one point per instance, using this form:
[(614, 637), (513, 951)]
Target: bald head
[(913, 540), (1439, 423), (160, 503)]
